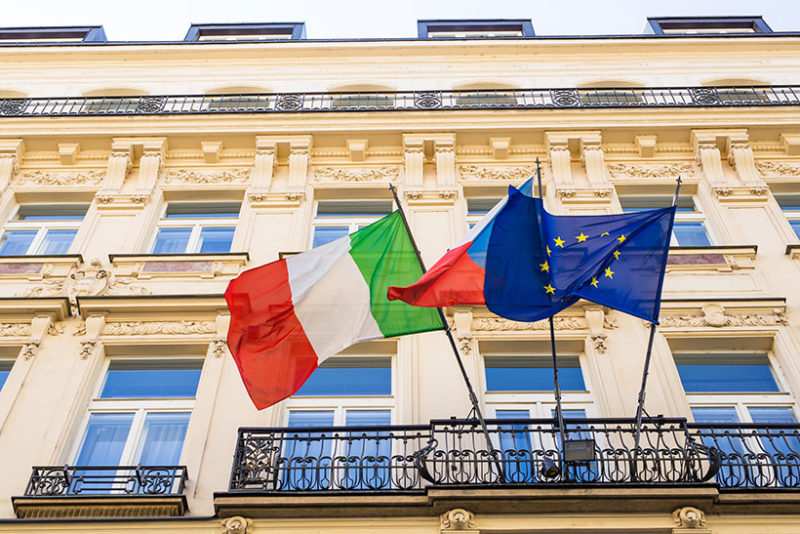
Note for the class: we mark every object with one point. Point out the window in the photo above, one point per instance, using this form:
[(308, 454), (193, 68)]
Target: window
[(478, 207), (5, 370), (351, 391), (42, 229), (689, 229), (790, 205), (188, 228), (338, 218), (474, 28), (706, 25), (246, 32), (610, 97), (139, 415), (362, 101), (488, 99)]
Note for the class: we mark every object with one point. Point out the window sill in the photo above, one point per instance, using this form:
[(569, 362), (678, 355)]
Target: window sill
[(717, 257), (150, 266), (37, 267), (99, 506)]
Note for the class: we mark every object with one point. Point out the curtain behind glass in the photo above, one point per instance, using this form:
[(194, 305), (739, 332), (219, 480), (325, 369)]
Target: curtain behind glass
[(162, 438)]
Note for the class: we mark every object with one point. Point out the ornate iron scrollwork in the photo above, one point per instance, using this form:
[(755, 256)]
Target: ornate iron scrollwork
[(705, 95), (289, 102), (13, 106), (428, 100), (151, 104), (566, 98)]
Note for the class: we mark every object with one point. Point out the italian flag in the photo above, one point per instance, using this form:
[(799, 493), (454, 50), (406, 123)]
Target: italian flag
[(290, 315)]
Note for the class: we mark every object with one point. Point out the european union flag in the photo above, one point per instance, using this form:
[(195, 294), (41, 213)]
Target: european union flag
[(537, 263)]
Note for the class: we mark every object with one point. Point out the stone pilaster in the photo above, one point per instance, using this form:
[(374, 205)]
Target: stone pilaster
[(445, 148), (299, 155), (150, 163), (708, 157), (119, 165), (264, 164), (414, 155), (740, 157), (11, 151)]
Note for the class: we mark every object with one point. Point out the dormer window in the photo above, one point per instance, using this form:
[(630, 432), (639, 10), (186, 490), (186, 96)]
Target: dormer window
[(706, 25), (246, 32), (56, 34), (474, 29)]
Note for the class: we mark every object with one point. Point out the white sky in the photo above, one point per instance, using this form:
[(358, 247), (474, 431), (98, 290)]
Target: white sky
[(168, 20)]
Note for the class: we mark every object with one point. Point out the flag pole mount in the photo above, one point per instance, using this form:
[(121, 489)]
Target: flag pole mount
[(476, 409), (646, 370)]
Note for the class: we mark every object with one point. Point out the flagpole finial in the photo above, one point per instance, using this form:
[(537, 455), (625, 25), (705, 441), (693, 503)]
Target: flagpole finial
[(678, 183)]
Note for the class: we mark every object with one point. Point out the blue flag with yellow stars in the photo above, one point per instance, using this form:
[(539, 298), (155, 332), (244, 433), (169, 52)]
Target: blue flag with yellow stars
[(537, 263)]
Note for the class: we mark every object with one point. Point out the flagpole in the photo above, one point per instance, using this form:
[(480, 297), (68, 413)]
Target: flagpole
[(556, 387), (645, 372), (472, 397)]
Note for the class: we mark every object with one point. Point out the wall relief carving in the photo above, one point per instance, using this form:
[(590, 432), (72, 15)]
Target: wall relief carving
[(48, 178), (772, 168), (474, 172), (717, 317), (15, 330), (154, 328), (670, 170), (503, 325), (214, 176), (344, 174)]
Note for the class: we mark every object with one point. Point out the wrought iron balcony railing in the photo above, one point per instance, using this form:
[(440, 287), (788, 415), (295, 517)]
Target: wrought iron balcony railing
[(566, 98), (105, 480), (527, 452)]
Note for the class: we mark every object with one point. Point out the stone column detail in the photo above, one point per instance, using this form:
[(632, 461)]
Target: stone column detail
[(414, 154), (595, 162), (264, 165), (119, 165), (150, 165), (560, 162), (446, 162), (740, 156), (708, 157), (299, 152), (11, 151)]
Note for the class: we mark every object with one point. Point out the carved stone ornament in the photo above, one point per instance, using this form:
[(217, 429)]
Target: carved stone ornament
[(155, 328), (503, 325), (473, 172), (47, 178), (689, 517), (87, 347), (29, 350), (15, 330), (218, 347), (215, 176), (236, 524), (776, 168), (600, 342), (715, 316), (361, 175), (669, 170), (457, 519)]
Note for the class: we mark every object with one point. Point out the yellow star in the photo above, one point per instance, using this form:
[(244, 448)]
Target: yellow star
[(559, 242), (609, 273), (581, 238), (549, 289), (621, 238), (548, 250), (594, 281), (617, 254), (603, 234), (545, 266)]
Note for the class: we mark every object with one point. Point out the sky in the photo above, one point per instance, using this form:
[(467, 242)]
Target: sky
[(168, 20)]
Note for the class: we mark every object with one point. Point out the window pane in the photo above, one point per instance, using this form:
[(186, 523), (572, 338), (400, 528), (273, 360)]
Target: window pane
[(350, 376), (308, 454), (715, 415), (691, 234), (105, 439), (356, 208), (726, 377), (57, 241), (368, 417), (796, 227), (129, 381), (772, 415), (16, 243), (300, 418), (5, 370), (641, 203), (172, 240), (49, 212), (323, 235), (481, 206), (162, 438), (515, 446), (216, 239), (727, 442), (215, 210), (532, 374)]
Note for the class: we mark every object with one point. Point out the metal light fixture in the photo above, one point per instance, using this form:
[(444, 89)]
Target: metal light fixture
[(550, 469), (579, 450)]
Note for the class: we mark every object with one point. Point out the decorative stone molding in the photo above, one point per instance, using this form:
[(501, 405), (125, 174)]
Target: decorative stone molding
[(431, 197), (670, 170), (474, 172), (276, 200), (778, 168), (598, 322), (740, 193), (218, 347), (457, 519), (714, 315), (200, 177), (29, 350), (236, 524), (48, 178), (87, 348), (504, 325), (107, 201), (353, 175), (156, 328), (689, 517), (15, 330)]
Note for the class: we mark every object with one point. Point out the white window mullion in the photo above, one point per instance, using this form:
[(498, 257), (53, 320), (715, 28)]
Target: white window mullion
[(194, 239), (37, 240), (134, 436)]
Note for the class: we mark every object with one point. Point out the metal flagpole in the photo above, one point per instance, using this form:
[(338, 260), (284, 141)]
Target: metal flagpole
[(645, 372), (472, 397), (556, 388)]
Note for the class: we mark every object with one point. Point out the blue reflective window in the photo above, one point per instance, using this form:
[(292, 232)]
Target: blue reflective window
[(162, 438), (725, 374), (532, 373), (715, 414), (127, 380), (350, 376), (726, 442), (172, 240), (50, 212), (326, 234), (105, 439), (216, 210), (795, 226), (368, 417), (5, 370), (57, 242), (216, 239), (309, 418), (515, 446), (691, 234), (16, 242), (481, 206), (354, 208), (778, 414)]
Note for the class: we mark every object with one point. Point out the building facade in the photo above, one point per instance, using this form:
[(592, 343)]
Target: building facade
[(137, 179)]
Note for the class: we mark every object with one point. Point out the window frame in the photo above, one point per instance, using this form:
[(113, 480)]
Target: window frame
[(353, 223), (196, 226), (697, 215), (790, 212), (42, 227)]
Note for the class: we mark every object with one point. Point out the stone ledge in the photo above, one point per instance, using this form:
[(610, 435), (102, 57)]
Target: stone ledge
[(103, 506)]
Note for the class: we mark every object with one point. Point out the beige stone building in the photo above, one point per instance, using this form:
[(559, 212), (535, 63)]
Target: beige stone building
[(136, 179)]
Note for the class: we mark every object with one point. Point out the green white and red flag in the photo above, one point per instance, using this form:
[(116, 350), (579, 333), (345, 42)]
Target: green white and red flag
[(288, 316)]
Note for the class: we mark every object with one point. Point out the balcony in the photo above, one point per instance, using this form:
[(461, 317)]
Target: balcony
[(418, 466), (103, 491), (563, 98)]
